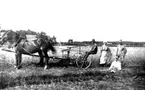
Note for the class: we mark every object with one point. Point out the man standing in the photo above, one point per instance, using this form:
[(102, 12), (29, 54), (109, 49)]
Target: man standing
[(121, 51)]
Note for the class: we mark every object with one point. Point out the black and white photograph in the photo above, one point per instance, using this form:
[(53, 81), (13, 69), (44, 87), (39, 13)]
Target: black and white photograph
[(72, 45)]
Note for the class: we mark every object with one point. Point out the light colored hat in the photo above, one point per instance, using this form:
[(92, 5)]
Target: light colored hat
[(105, 42)]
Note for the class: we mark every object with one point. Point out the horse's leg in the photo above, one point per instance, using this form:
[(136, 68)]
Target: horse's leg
[(123, 62), (41, 58), (18, 56), (46, 59)]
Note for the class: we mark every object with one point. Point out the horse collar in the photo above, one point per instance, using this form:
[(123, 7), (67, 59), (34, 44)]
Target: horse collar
[(18, 41)]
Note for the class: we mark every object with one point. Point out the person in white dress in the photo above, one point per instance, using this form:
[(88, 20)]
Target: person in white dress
[(105, 55), (115, 65)]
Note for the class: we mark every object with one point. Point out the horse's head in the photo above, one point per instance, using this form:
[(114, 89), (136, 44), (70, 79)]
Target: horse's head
[(52, 48), (9, 36), (46, 43)]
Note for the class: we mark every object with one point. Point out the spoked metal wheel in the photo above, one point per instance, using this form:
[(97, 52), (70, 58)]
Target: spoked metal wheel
[(81, 63)]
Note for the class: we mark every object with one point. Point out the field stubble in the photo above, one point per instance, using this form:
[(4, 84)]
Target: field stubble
[(73, 78)]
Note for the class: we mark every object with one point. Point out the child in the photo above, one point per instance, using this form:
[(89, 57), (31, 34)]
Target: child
[(115, 65)]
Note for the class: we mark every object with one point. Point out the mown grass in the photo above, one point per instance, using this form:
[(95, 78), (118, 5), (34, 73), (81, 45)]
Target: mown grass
[(132, 77), (87, 79), (48, 79)]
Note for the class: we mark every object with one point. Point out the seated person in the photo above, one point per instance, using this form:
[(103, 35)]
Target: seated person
[(115, 65), (93, 50)]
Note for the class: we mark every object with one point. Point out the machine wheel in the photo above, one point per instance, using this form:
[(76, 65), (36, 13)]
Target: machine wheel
[(81, 63)]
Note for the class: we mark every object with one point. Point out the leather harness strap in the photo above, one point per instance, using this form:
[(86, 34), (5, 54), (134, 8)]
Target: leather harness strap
[(19, 40)]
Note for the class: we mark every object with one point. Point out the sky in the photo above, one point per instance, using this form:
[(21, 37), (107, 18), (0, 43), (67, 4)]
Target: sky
[(80, 20)]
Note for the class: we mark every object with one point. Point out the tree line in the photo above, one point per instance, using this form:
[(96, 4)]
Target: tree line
[(43, 35), (23, 33)]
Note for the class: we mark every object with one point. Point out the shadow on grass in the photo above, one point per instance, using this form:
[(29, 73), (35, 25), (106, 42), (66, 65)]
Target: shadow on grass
[(52, 63), (8, 81), (59, 63)]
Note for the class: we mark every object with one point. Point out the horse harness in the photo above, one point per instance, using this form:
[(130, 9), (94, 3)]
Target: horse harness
[(18, 41)]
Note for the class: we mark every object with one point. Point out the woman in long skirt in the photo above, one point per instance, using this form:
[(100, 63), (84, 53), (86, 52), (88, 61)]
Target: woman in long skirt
[(105, 54)]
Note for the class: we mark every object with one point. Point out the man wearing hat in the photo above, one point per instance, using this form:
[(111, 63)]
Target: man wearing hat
[(121, 51), (93, 50)]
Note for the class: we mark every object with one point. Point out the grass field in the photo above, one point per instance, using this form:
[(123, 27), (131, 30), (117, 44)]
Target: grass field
[(61, 77)]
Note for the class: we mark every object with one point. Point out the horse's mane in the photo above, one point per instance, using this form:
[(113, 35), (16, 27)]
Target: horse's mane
[(5, 33)]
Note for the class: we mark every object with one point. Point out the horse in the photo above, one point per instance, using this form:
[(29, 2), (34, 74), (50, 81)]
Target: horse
[(24, 46)]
